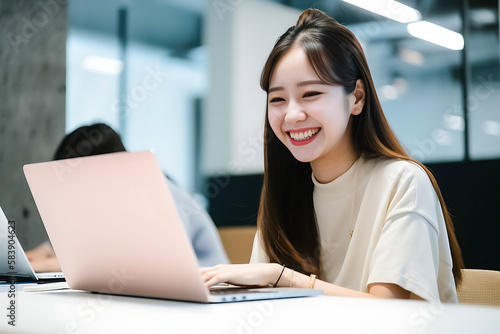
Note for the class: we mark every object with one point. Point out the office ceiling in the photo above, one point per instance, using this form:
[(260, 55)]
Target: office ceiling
[(169, 23), (177, 24)]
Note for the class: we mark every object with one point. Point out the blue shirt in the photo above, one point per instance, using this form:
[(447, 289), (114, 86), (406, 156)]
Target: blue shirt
[(199, 227)]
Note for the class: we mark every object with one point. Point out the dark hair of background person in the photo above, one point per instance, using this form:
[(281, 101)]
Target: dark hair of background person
[(286, 218), (89, 140)]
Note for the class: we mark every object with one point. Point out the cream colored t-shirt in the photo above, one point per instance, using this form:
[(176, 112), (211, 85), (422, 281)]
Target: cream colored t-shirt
[(399, 230)]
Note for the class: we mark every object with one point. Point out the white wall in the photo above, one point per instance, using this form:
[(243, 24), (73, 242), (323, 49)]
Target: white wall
[(240, 38), (160, 99), (163, 119), (90, 94)]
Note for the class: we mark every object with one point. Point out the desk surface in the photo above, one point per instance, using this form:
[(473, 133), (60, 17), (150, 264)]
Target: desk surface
[(84, 312)]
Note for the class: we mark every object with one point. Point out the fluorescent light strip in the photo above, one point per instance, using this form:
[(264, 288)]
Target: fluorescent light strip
[(103, 64), (436, 34), (388, 8)]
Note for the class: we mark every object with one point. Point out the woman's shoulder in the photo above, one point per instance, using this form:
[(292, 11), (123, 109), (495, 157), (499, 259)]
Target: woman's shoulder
[(406, 184), (396, 169)]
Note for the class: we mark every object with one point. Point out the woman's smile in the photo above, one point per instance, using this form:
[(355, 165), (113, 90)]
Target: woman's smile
[(303, 136)]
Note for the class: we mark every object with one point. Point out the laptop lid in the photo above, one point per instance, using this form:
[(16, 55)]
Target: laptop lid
[(13, 260), (114, 226)]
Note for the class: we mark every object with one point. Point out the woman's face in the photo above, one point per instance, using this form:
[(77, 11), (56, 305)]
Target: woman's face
[(310, 117)]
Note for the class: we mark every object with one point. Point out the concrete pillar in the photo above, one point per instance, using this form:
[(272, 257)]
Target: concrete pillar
[(32, 102)]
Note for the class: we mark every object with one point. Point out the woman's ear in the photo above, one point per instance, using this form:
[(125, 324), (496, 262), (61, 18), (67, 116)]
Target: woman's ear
[(359, 96)]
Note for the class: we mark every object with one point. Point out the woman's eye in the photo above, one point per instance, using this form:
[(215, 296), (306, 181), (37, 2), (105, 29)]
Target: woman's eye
[(276, 99), (309, 94)]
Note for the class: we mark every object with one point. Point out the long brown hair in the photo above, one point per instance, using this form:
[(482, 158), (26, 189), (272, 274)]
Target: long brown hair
[(286, 218)]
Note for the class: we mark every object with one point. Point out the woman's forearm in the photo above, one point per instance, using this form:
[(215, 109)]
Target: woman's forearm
[(295, 279)]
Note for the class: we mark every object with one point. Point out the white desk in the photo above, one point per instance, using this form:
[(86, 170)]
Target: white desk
[(82, 312)]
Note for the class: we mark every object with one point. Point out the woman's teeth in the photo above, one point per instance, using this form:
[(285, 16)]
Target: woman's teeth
[(303, 135)]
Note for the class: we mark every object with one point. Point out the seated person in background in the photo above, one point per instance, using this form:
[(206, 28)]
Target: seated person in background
[(100, 139)]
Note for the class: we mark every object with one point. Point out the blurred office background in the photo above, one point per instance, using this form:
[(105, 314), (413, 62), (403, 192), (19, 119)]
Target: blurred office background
[(181, 78)]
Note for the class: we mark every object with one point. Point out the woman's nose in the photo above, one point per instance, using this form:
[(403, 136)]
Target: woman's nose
[(295, 113)]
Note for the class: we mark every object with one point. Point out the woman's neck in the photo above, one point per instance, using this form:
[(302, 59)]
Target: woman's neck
[(327, 170)]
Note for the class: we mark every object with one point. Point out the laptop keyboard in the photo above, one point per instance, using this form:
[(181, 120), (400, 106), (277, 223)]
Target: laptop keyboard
[(233, 291)]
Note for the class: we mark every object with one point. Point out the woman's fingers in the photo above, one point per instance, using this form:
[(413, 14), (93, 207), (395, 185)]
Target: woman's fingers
[(239, 274), (213, 281), (214, 275), (207, 269)]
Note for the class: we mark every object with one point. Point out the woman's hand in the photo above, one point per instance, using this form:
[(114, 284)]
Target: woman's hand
[(260, 274), (43, 258), (41, 252)]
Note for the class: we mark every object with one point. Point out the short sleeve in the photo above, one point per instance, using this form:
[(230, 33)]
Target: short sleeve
[(258, 253), (407, 252)]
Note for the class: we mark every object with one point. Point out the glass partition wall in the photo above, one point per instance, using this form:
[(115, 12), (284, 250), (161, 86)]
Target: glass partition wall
[(139, 67)]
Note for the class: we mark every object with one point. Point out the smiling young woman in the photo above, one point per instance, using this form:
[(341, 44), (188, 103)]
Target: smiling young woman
[(341, 201), (300, 102)]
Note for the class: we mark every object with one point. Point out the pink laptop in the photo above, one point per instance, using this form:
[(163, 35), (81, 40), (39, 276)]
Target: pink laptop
[(115, 229)]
